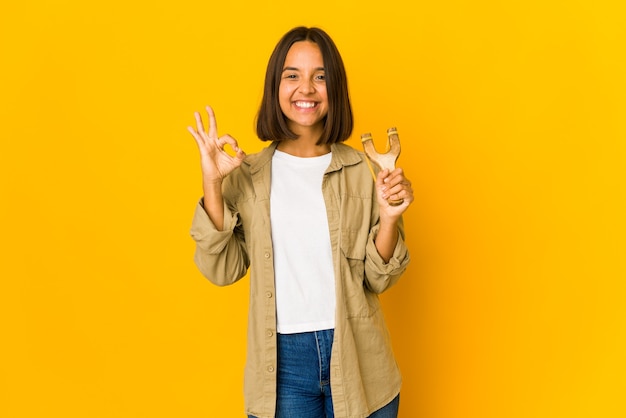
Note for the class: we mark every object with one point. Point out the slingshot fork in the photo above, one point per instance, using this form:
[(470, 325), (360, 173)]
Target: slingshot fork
[(386, 160)]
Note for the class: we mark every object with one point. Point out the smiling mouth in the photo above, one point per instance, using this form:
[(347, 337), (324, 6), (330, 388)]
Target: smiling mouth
[(305, 105)]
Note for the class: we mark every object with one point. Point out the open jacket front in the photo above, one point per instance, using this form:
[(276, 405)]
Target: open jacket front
[(364, 374)]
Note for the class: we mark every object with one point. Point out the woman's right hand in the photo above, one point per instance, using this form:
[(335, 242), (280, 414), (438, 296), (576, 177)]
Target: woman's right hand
[(216, 162)]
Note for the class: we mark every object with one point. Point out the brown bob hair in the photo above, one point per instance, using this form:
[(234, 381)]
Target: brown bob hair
[(271, 123)]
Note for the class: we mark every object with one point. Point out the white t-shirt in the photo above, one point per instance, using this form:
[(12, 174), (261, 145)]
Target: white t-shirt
[(303, 265)]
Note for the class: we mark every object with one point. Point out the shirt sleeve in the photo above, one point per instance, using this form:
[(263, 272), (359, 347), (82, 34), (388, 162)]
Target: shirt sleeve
[(379, 276), (220, 256)]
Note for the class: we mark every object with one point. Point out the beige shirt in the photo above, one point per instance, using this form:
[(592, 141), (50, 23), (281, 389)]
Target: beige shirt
[(364, 373)]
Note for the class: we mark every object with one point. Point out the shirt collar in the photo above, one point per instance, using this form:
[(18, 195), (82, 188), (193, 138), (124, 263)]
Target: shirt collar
[(343, 155)]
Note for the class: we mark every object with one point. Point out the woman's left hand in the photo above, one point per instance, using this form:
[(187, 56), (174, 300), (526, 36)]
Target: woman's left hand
[(393, 186)]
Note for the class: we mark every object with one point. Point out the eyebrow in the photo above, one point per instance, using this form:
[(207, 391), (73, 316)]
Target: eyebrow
[(297, 69)]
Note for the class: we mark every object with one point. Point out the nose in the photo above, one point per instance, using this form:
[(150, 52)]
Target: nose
[(307, 86)]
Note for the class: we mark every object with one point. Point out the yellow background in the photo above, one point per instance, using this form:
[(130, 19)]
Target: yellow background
[(512, 117)]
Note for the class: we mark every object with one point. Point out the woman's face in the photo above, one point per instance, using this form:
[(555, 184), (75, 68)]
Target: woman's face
[(302, 91)]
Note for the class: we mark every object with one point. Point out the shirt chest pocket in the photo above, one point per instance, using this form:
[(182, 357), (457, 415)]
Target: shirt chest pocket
[(355, 226)]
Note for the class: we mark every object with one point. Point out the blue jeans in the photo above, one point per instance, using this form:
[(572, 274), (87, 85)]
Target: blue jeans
[(303, 381)]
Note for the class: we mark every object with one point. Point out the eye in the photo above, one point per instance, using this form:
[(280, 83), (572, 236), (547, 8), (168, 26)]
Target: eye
[(321, 77), (290, 76)]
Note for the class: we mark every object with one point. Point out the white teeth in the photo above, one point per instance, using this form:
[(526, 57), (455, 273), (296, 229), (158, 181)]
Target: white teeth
[(305, 104)]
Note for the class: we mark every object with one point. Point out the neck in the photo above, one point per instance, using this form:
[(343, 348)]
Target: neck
[(306, 143), (302, 148)]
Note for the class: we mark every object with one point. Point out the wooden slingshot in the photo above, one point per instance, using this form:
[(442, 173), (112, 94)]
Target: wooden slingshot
[(386, 160)]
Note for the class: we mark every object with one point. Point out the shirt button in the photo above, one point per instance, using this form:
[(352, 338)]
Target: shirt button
[(268, 294), (269, 333), (267, 255), (270, 369)]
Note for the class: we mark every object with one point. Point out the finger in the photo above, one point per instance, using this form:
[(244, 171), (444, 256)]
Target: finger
[(227, 139), (382, 176), (398, 186), (195, 134), (406, 197), (406, 186), (406, 192), (212, 122), (396, 173), (241, 154), (397, 177), (192, 132), (199, 124), (197, 137), (402, 198), (393, 181), (394, 193)]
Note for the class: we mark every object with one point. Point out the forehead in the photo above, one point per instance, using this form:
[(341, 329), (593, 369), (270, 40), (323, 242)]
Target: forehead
[(304, 53)]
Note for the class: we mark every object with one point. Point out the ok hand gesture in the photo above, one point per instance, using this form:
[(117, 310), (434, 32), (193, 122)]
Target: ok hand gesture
[(216, 162)]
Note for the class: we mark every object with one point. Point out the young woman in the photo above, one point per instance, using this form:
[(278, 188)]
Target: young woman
[(318, 235)]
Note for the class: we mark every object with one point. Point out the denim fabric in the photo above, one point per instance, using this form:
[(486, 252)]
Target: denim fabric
[(303, 385), (388, 411)]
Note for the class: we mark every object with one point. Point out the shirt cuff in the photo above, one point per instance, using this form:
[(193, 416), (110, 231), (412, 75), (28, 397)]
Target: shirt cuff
[(206, 235), (398, 261)]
